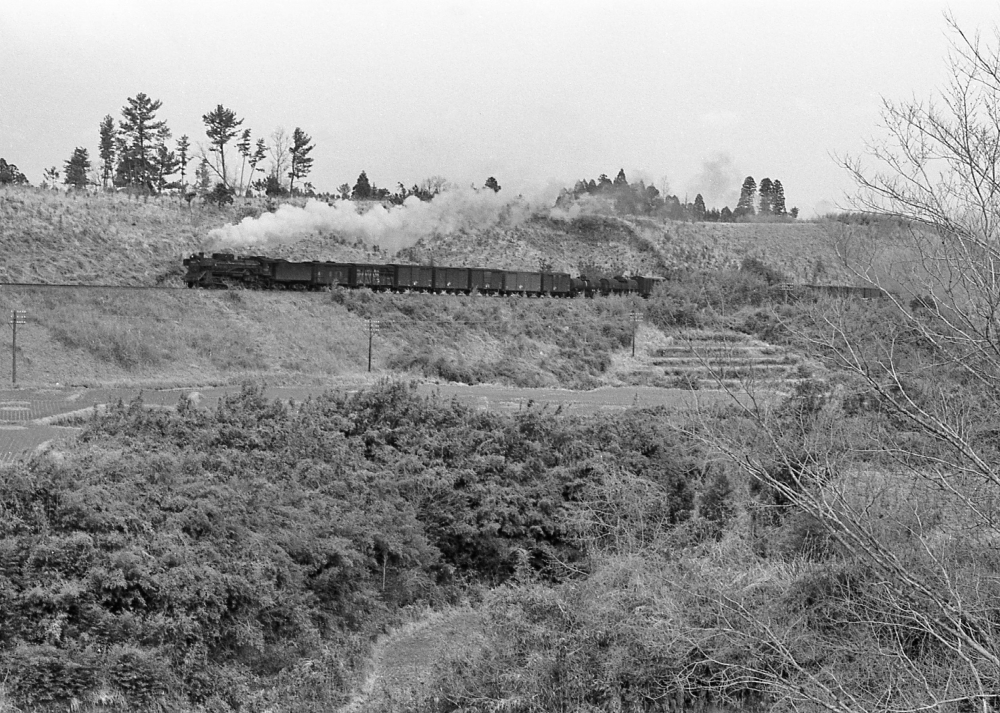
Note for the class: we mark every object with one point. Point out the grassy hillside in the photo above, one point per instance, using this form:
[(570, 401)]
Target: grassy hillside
[(105, 336), (120, 336), (50, 237)]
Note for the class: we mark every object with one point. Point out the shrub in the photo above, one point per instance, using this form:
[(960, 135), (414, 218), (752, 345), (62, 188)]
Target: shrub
[(207, 555), (221, 195)]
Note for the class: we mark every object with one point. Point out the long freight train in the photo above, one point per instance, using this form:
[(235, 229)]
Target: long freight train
[(225, 270)]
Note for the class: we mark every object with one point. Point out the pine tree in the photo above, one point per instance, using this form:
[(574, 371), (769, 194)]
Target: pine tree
[(221, 126), (138, 132), (243, 147), (301, 161), (748, 196), (107, 150), (183, 146), (166, 164), (362, 189), (620, 180), (766, 192), (164, 160), (259, 154), (699, 208), (76, 168), (203, 176), (779, 199)]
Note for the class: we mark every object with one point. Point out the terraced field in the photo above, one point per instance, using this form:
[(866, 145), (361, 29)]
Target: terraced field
[(706, 361), (728, 360)]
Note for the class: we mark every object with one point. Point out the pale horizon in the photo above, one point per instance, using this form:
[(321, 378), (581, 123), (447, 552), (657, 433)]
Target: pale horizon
[(689, 96)]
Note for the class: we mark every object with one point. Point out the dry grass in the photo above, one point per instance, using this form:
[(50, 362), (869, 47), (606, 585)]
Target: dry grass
[(52, 237), (97, 336)]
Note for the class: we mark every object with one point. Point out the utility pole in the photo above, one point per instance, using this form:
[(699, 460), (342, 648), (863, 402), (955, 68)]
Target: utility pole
[(17, 316), (634, 317), (372, 329)]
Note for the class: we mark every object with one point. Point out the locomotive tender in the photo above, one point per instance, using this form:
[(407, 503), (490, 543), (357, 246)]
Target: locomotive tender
[(225, 270)]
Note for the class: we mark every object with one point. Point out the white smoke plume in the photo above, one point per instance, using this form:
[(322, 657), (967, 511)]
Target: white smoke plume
[(391, 228), (718, 183)]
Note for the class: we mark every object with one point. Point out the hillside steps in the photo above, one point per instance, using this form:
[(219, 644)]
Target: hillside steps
[(714, 359)]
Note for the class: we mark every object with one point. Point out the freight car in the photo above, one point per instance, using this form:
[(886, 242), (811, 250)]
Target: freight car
[(225, 270), (846, 291)]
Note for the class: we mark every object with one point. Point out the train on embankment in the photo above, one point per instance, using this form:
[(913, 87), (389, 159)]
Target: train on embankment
[(226, 270)]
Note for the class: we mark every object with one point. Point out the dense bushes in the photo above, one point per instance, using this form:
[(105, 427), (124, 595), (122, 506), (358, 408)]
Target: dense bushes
[(702, 298), (201, 558)]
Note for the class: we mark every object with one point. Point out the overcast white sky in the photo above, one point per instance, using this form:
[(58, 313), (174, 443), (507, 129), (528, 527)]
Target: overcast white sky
[(700, 94)]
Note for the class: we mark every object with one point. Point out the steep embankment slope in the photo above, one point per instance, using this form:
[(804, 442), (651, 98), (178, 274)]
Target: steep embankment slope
[(48, 236)]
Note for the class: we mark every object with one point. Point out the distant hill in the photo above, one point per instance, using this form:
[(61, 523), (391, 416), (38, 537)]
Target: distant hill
[(49, 236)]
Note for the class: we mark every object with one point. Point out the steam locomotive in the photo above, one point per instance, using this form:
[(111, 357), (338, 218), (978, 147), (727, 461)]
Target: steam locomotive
[(226, 270)]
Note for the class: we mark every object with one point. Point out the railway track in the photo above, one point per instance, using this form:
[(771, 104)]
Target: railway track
[(81, 286)]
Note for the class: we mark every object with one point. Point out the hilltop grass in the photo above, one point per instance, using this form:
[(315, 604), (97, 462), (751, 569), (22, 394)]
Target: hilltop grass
[(105, 238)]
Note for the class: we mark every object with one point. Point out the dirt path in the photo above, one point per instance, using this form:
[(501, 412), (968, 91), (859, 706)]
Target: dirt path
[(404, 660)]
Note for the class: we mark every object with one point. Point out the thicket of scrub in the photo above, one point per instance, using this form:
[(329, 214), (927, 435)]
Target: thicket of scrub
[(838, 557), (243, 558)]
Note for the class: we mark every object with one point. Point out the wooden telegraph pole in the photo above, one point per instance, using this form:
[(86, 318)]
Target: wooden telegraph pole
[(372, 329), (634, 317), (17, 316)]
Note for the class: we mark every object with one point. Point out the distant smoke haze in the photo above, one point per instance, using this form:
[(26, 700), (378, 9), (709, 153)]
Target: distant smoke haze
[(718, 182), (391, 228)]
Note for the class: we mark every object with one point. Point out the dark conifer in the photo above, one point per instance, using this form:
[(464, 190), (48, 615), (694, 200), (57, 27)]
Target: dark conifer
[(301, 161), (748, 196), (766, 192), (221, 127), (779, 198), (77, 167), (138, 133), (362, 189), (699, 208), (107, 150)]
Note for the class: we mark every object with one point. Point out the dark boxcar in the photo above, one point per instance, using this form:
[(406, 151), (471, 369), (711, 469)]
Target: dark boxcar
[(331, 274), (522, 282), (557, 284), (377, 277), (451, 279), (414, 277), (292, 273), (485, 280), (646, 285), (627, 285)]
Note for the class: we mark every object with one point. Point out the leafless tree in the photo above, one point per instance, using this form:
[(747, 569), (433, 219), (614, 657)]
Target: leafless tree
[(279, 151), (913, 498)]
